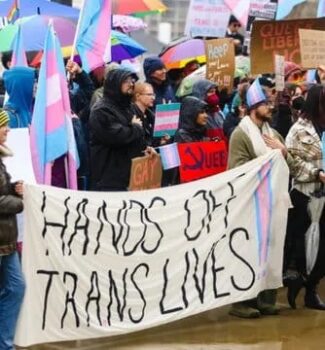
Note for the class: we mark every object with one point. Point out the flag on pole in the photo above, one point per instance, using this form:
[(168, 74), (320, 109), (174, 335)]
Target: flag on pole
[(240, 9), (169, 156), (18, 51), (13, 13), (51, 129), (93, 35)]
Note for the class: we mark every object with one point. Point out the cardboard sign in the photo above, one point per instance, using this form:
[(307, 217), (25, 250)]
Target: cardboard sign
[(202, 159), (220, 65), (312, 47), (279, 72), (146, 173), (278, 37), (166, 119), (207, 18)]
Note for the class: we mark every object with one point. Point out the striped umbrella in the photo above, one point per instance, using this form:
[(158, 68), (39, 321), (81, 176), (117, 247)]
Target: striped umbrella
[(138, 8)]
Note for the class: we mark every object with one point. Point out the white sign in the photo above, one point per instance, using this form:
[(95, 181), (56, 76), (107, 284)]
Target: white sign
[(207, 18), (99, 264), (279, 72), (20, 165)]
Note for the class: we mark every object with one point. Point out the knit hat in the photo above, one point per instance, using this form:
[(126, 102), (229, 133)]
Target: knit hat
[(151, 64), (255, 95), (4, 117), (291, 67)]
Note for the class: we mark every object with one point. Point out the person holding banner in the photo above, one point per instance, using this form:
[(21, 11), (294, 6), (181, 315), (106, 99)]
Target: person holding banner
[(252, 138), (12, 285), (305, 143)]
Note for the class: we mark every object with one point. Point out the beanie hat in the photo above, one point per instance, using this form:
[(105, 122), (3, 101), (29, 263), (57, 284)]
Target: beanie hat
[(291, 67), (255, 95), (151, 64), (4, 117)]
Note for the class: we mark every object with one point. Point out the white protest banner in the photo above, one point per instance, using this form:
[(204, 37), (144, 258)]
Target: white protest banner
[(279, 72), (207, 18), (99, 264)]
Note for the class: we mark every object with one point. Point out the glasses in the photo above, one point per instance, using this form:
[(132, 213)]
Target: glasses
[(149, 94), (129, 81)]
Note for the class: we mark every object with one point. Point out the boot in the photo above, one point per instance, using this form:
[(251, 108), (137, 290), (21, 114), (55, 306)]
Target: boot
[(312, 300), (243, 310), (266, 301), (294, 281)]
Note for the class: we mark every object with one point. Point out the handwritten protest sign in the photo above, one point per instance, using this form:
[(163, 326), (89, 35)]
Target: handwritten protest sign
[(278, 37), (201, 159), (312, 47), (207, 18), (166, 119), (279, 72), (146, 173), (220, 65), (100, 264)]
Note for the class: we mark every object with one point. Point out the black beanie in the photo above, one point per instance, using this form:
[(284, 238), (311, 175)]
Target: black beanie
[(151, 64)]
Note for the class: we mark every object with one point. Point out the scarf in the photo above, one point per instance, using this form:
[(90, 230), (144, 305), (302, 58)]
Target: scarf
[(255, 135)]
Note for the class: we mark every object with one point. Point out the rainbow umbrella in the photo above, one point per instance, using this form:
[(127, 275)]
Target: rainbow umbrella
[(181, 51), (124, 47), (138, 8), (34, 29)]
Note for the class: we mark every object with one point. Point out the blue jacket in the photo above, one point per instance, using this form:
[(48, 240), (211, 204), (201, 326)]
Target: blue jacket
[(19, 83)]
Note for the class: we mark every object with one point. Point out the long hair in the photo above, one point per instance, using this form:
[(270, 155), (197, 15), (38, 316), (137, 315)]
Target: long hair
[(314, 107)]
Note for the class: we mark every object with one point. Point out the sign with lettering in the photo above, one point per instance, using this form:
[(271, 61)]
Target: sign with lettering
[(166, 119), (101, 264), (146, 173), (278, 37), (220, 64), (207, 18), (312, 48), (202, 159)]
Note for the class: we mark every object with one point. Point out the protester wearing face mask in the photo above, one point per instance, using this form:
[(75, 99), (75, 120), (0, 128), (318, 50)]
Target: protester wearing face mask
[(288, 106), (206, 91)]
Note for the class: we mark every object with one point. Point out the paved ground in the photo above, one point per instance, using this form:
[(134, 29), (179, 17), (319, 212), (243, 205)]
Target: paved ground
[(300, 329)]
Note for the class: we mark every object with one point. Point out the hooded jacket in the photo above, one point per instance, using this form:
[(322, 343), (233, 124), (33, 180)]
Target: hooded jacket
[(114, 140), (19, 83), (189, 130), (164, 91), (10, 205)]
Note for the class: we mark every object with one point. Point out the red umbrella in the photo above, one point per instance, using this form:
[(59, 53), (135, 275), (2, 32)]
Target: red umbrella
[(138, 8)]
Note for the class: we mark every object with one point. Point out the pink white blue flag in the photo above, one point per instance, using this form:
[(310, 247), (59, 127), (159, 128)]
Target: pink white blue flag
[(169, 156), (93, 36), (166, 119), (51, 129), (18, 51), (240, 9)]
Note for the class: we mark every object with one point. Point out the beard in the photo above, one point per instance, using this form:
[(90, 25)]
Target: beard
[(263, 117)]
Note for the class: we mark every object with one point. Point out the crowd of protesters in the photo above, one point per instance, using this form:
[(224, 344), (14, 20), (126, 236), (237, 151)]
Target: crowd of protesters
[(114, 116)]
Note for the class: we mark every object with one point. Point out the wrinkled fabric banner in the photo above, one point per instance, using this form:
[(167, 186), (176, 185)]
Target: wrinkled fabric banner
[(99, 264)]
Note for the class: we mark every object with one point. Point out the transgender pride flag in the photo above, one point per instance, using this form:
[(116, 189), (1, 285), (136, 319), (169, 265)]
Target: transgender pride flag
[(93, 35), (169, 156), (166, 119), (18, 51), (51, 129)]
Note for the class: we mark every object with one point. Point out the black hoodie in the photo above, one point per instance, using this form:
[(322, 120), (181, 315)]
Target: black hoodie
[(189, 130), (114, 140)]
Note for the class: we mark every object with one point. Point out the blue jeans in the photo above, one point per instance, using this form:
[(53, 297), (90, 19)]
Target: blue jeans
[(12, 288)]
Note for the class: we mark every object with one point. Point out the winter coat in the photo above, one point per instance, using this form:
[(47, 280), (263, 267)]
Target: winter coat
[(188, 130), (148, 120), (10, 205), (114, 139)]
